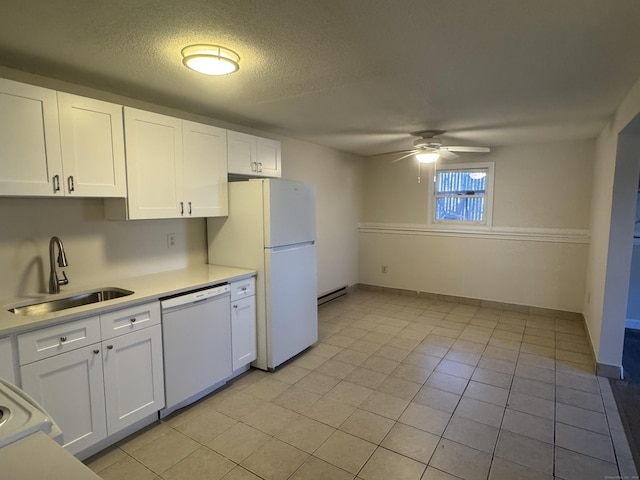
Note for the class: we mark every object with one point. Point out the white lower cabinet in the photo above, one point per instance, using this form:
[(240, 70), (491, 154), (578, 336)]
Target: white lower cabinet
[(133, 377), (70, 387), (243, 322), (243, 331), (95, 390)]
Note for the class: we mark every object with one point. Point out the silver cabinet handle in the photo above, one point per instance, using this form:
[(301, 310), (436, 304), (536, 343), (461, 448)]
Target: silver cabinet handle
[(63, 339), (56, 183), (260, 167), (72, 186), (235, 306), (254, 166), (109, 347), (96, 351), (190, 208), (181, 208), (132, 320)]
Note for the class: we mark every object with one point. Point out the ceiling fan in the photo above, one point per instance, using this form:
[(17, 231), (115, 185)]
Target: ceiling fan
[(428, 148)]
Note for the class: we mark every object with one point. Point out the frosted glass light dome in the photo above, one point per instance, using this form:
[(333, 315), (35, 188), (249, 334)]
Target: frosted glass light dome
[(427, 157), (210, 59)]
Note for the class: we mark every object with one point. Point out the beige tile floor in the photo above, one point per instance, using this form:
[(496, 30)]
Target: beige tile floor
[(404, 388)]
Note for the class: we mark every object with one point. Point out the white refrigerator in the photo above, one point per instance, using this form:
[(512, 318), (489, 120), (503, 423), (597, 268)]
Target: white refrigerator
[(271, 228)]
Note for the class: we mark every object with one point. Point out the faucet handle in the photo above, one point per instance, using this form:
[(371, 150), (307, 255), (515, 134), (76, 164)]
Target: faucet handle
[(63, 281)]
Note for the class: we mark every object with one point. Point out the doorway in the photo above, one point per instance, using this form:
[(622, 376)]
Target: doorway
[(631, 349)]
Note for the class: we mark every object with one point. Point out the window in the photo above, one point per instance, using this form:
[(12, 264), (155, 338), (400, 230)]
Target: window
[(462, 194)]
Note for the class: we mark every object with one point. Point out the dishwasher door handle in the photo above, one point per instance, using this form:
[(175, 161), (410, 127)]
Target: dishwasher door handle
[(196, 297)]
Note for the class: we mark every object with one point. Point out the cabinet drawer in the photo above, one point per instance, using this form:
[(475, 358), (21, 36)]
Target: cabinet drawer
[(129, 319), (50, 341), (243, 288)]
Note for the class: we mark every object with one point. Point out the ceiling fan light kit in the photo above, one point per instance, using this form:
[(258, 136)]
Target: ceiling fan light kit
[(428, 148), (427, 157), (210, 59)]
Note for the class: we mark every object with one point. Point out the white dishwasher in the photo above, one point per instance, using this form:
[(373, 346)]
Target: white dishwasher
[(196, 336)]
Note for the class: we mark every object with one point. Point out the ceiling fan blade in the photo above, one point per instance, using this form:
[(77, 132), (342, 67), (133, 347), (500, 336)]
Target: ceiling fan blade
[(412, 152), (390, 153), (448, 155), (449, 148)]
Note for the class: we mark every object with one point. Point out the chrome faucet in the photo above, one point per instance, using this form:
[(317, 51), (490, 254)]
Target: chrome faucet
[(54, 282)]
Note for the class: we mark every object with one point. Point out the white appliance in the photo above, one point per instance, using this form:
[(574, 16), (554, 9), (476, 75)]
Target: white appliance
[(21, 416), (31, 441), (271, 228), (196, 333)]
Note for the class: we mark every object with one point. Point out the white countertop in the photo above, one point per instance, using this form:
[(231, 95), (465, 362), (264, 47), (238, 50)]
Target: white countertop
[(38, 456), (146, 288)]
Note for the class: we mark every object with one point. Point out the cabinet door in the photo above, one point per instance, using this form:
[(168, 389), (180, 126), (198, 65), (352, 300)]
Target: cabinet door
[(268, 153), (70, 388), (154, 164), (29, 140), (241, 149), (92, 140), (133, 377), (243, 331), (205, 170)]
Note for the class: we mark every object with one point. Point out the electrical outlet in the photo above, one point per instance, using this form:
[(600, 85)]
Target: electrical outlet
[(171, 240), (384, 269)]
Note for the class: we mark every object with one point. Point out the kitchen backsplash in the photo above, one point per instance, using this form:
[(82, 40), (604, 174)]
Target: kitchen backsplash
[(98, 250)]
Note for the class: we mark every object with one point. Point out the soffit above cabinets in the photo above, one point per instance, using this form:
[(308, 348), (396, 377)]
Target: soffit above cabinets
[(357, 76)]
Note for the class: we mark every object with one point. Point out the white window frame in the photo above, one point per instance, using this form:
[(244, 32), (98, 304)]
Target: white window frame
[(488, 198)]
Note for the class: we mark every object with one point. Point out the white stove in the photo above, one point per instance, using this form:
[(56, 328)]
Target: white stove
[(21, 416)]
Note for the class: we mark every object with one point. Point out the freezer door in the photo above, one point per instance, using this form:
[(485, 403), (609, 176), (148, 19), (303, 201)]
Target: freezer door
[(292, 305), (290, 212)]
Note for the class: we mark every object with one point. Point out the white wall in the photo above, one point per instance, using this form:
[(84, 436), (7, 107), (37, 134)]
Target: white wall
[(535, 253), (617, 164), (338, 180), (100, 250)]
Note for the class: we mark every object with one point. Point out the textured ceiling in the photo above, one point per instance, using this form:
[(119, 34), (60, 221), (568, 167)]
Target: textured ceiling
[(357, 75)]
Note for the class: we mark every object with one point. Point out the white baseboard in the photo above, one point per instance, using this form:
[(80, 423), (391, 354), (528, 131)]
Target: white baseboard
[(632, 323)]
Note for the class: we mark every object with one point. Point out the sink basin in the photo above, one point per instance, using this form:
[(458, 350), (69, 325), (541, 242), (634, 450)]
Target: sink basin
[(85, 298)]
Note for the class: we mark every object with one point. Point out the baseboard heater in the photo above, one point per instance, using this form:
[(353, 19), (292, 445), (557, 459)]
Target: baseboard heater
[(332, 295)]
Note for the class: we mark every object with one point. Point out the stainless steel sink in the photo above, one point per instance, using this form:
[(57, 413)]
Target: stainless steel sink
[(85, 298)]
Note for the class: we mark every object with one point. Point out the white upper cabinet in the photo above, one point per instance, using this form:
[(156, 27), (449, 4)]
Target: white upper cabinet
[(59, 144), (30, 159), (175, 168), (154, 164), (92, 140), (268, 157), (241, 149), (205, 170), (253, 156)]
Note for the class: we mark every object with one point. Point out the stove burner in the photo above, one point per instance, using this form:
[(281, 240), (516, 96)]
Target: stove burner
[(4, 415)]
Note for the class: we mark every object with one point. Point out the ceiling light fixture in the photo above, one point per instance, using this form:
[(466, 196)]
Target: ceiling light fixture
[(477, 175), (427, 157), (210, 59)]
